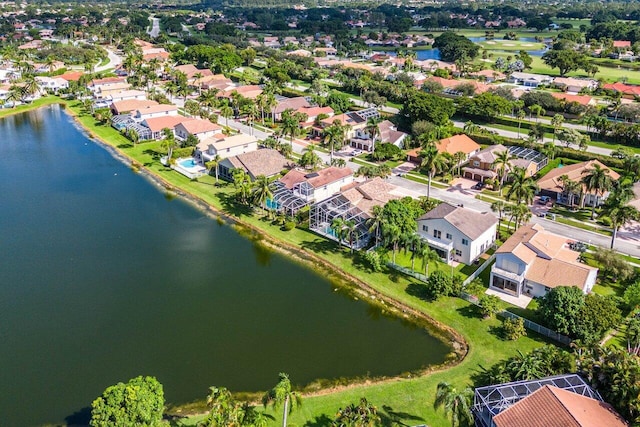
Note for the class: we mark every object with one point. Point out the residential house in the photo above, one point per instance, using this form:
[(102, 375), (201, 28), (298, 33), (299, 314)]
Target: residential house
[(200, 128), (529, 79), (127, 94), (629, 91), (584, 100), (300, 52), (299, 188), (456, 144), (191, 71), (106, 83), (574, 85), (247, 91), (354, 203), (106, 92), (157, 125), (456, 233), (562, 400), (154, 111), (284, 103), (488, 76), (622, 44), (551, 184), (533, 261), (354, 121), (52, 84), (129, 105), (313, 113), (329, 52), (387, 133), (481, 165), (71, 76), (225, 146), (264, 162)]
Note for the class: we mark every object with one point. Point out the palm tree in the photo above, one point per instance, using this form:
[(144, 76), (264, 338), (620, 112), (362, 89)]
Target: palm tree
[(251, 112), (520, 214), (499, 207), (537, 110), (502, 164), (350, 231), (433, 162), (556, 122), (262, 191), (523, 187), (282, 394), (458, 159), (520, 115), (168, 143), (571, 188), (428, 255), (337, 226), (373, 130), (549, 149), (334, 137), (214, 163), (413, 242), (290, 125), (456, 404), (597, 181), (226, 111), (363, 415), (376, 221), (392, 235), (620, 214)]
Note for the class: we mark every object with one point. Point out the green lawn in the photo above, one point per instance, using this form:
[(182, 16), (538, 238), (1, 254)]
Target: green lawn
[(411, 395), (510, 45), (41, 102)]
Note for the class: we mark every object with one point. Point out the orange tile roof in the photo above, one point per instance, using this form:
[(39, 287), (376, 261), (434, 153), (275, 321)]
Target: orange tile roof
[(623, 88), (128, 105), (156, 124), (197, 126), (551, 181), (71, 75), (551, 406), (457, 143), (160, 108), (580, 99)]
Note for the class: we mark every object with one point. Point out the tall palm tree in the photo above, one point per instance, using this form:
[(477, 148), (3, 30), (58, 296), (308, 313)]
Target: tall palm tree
[(433, 162), (337, 225), (458, 159), (392, 235), (373, 130), (523, 187), (214, 163), (290, 125), (520, 214), (334, 136), (597, 181), (499, 207), (376, 221), (226, 111), (251, 112), (168, 143), (520, 115), (350, 231), (537, 110), (262, 191), (502, 163), (428, 255), (556, 122), (282, 394), (620, 214), (456, 404)]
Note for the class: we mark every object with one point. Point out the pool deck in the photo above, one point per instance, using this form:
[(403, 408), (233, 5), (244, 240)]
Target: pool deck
[(190, 172)]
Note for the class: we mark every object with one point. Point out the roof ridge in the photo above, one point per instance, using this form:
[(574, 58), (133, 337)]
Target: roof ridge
[(564, 407)]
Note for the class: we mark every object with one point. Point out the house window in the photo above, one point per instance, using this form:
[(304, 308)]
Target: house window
[(437, 234), (228, 150), (458, 252), (465, 242), (449, 236), (425, 228), (476, 164)]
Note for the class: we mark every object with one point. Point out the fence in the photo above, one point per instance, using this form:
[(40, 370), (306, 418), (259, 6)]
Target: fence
[(474, 300)]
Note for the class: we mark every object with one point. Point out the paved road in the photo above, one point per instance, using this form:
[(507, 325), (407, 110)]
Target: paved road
[(114, 61), (155, 27)]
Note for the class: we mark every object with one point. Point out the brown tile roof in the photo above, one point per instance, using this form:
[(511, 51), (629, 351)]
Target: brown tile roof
[(316, 179), (196, 126), (470, 223), (551, 181), (550, 406), (265, 162), (128, 105), (191, 70), (291, 103), (109, 80), (248, 91), (457, 143), (367, 194), (156, 124), (160, 108), (389, 132), (547, 255)]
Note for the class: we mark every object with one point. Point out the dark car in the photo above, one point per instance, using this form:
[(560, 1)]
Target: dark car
[(479, 186)]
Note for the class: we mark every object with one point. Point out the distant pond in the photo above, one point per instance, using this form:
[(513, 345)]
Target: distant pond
[(104, 278)]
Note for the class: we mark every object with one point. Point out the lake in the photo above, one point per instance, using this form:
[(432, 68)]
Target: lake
[(104, 278)]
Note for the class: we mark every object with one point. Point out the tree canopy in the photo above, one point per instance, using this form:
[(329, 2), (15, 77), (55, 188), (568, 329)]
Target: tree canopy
[(138, 402), (454, 47)]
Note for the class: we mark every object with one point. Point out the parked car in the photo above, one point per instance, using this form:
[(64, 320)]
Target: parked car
[(544, 199), (479, 186)]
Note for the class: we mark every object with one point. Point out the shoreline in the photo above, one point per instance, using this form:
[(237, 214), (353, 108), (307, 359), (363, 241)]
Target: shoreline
[(458, 344)]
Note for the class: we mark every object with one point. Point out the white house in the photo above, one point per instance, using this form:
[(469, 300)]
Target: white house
[(127, 94), (456, 233), (153, 111), (533, 261), (318, 185), (227, 146), (53, 84), (387, 134), (200, 128), (529, 79)]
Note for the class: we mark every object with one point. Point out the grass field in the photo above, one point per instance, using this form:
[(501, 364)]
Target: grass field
[(510, 45), (4, 112), (412, 396)]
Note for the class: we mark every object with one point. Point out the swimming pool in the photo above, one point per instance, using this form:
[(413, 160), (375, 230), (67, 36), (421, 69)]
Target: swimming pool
[(188, 163)]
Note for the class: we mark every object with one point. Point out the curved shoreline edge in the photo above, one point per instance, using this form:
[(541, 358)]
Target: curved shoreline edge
[(459, 345)]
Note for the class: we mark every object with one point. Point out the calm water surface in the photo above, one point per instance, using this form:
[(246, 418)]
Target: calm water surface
[(103, 279)]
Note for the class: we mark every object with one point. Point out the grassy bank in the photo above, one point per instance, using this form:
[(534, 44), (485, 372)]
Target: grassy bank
[(5, 112), (411, 395)]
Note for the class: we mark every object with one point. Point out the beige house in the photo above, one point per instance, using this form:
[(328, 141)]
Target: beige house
[(533, 261), (481, 164), (263, 162), (153, 111), (225, 146), (200, 128), (456, 233)]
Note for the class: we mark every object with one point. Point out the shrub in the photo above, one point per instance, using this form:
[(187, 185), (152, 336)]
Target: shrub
[(489, 305), (289, 225), (513, 328), (373, 259), (439, 284)]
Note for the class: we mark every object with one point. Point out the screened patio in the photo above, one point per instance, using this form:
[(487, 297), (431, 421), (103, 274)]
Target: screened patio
[(323, 213)]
